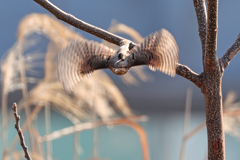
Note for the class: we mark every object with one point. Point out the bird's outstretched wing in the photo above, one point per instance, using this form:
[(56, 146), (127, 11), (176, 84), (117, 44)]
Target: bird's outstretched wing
[(80, 58), (159, 51)]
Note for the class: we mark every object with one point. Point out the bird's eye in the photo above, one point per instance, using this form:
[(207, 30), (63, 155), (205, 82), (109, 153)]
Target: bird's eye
[(120, 56), (108, 59), (133, 57)]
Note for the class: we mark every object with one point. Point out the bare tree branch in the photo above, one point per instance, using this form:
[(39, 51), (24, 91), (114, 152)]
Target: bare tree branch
[(200, 9), (187, 73), (20, 134), (231, 52), (70, 19), (212, 87), (210, 63)]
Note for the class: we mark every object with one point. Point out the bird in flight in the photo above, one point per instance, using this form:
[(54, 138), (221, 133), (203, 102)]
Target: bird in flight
[(80, 57)]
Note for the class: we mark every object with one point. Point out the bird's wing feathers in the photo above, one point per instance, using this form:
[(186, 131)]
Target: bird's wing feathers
[(159, 51), (80, 58)]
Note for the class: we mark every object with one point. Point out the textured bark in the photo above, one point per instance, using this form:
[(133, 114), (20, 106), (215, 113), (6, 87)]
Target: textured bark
[(214, 115), (231, 53), (212, 87), (200, 9), (187, 73), (211, 77)]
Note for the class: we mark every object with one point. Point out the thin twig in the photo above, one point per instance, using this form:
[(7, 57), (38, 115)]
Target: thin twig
[(20, 134), (24, 127), (231, 52)]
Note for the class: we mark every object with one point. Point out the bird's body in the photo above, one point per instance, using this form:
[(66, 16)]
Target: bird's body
[(159, 51)]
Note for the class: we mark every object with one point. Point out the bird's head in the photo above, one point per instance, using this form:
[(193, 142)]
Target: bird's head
[(122, 61)]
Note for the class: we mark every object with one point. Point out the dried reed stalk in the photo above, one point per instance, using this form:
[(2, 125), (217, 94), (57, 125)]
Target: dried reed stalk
[(48, 129), (39, 144), (25, 95), (186, 122), (88, 125), (50, 89), (76, 146), (11, 71)]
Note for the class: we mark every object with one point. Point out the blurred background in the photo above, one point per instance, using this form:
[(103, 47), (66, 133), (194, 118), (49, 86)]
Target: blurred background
[(30, 39)]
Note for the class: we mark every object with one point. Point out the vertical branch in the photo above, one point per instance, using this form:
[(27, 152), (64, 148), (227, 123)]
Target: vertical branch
[(201, 14), (27, 122), (20, 133), (211, 60), (25, 95), (212, 88)]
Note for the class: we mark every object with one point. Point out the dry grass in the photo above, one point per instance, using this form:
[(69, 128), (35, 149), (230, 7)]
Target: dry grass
[(94, 98), (81, 106)]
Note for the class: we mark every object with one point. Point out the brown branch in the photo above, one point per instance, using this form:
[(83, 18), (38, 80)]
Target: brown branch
[(70, 19), (200, 9), (210, 63), (187, 73), (20, 134), (212, 87), (231, 52), (24, 126)]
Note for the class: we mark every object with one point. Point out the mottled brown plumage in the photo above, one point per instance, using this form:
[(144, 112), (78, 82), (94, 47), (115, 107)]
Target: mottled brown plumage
[(159, 51)]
